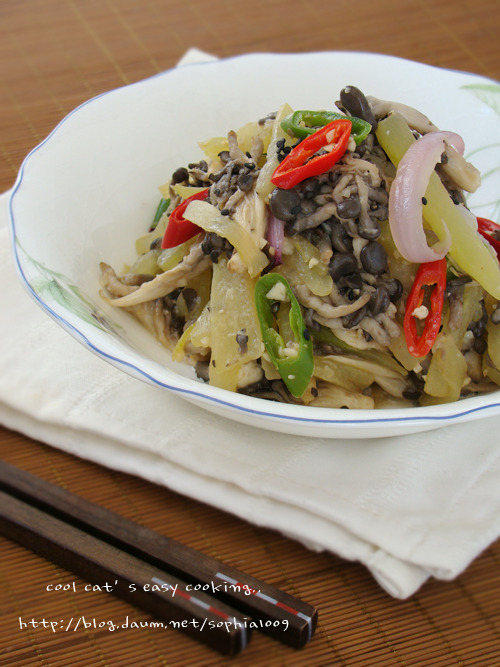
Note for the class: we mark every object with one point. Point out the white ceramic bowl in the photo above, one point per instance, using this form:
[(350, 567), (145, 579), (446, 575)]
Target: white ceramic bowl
[(86, 193)]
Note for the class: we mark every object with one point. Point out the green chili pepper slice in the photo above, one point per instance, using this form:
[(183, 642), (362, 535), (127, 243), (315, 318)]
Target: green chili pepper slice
[(303, 123), (162, 207), (297, 368)]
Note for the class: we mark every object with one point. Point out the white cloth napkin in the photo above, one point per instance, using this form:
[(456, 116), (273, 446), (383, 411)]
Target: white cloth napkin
[(408, 508)]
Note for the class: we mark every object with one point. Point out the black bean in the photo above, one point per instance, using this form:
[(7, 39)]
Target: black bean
[(368, 229), (394, 287), (349, 208), (417, 382), (374, 258), (310, 188), (180, 175), (342, 264), (353, 101), (341, 241), (353, 319), (353, 280), (282, 202), (245, 182), (379, 195), (334, 177), (411, 394), (379, 300), (480, 346)]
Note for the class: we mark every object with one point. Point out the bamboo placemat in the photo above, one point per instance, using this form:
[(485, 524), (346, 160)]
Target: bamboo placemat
[(56, 54)]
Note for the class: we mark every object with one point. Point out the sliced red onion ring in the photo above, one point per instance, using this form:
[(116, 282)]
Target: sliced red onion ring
[(275, 237), (407, 190)]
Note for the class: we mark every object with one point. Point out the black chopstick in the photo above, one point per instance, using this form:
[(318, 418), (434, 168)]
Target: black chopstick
[(264, 607), (128, 577)]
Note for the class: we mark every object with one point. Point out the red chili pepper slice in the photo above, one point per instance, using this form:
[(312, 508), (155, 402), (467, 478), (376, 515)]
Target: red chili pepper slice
[(179, 229), (429, 273), (300, 164), (486, 228)]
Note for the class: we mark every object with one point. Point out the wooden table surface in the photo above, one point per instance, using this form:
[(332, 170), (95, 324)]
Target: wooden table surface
[(54, 54)]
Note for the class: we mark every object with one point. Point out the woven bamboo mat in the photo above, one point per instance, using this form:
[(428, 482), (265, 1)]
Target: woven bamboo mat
[(54, 54)]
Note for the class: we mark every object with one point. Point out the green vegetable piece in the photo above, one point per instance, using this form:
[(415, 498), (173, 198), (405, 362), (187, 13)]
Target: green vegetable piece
[(303, 123), (162, 207), (326, 335), (295, 363)]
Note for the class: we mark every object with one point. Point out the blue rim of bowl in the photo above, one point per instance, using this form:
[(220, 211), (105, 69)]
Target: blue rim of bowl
[(206, 398)]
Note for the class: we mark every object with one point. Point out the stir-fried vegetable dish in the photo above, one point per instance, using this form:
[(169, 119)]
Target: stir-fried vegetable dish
[(324, 258)]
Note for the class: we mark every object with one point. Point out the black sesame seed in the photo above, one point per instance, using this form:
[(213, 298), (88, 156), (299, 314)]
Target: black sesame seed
[(424, 201), (225, 211)]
